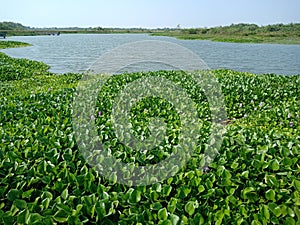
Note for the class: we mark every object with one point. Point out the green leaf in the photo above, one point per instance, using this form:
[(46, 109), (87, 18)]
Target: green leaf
[(135, 196), (289, 221), (190, 208), (270, 195), (156, 206), (255, 222), (271, 180), (8, 220), (13, 194), (162, 214), (35, 218), (20, 204), (48, 220), (219, 217), (234, 165), (297, 185), (198, 219), (167, 190), (61, 216), (201, 188), (174, 219), (297, 212), (23, 217), (266, 212), (277, 211), (113, 178), (65, 194), (172, 205), (246, 191), (27, 194), (274, 165), (46, 203)]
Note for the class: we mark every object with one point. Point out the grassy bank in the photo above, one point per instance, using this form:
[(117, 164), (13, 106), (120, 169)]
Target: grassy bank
[(240, 33), (233, 38), (45, 180)]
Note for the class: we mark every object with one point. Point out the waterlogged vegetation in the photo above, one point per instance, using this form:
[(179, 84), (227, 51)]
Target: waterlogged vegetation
[(45, 180), (12, 44)]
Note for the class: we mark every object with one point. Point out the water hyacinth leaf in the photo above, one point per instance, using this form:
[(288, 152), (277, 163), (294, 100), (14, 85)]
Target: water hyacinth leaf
[(28, 193), (61, 216), (274, 165), (297, 184), (255, 222), (201, 188), (113, 178), (135, 196), (20, 204), (198, 219), (172, 205), (45, 203), (174, 219), (270, 195), (266, 212), (65, 194), (13, 194), (35, 218), (219, 217), (289, 221), (246, 191), (162, 214), (276, 211), (23, 217), (190, 208), (157, 206)]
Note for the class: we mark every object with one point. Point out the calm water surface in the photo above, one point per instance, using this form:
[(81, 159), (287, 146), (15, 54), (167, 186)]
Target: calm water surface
[(77, 52)]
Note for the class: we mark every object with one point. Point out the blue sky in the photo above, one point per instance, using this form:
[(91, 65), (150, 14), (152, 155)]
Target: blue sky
[(148, 13)]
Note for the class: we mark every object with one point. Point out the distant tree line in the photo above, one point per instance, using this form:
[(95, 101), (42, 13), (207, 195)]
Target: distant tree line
[(12, 26), (241, 29), (244, 28)]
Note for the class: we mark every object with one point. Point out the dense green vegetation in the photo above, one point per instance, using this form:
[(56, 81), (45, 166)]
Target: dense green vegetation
[(12, 44), (250, 33), (44, 179)]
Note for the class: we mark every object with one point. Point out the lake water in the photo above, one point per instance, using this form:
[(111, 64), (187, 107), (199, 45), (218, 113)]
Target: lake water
[(77, 52)]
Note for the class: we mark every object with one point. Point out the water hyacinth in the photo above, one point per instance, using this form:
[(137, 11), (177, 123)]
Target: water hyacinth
[(289, 115), (241, 105), (261, 104), (74, 191)]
